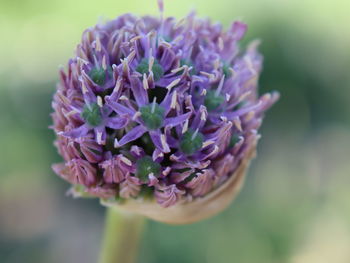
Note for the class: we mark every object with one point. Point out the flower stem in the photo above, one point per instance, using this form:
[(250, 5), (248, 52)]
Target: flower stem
[(121, 237)]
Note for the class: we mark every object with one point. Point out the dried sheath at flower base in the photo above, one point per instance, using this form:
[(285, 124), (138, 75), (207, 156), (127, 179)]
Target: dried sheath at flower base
[(158, 116)]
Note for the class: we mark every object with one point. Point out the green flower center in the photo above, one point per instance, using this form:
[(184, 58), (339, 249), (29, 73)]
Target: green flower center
[(212, 100), (98, 75), (157, 69), (234, 139), (191, 142), (92, 114), (226, 70), (152, 115), (146, 166)]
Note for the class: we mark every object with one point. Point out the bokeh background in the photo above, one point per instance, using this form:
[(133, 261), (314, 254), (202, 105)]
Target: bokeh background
[(295, 206)]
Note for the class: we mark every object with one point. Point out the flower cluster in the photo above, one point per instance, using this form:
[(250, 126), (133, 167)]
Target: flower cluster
[(157, 108)]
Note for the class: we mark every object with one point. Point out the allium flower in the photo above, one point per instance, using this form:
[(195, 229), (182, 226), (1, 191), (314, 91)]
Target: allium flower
[(159, 109)]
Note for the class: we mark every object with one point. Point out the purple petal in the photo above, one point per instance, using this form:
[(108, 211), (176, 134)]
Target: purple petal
[(91, 150), (168, 195), (130, 187), (132, 135), (174, 121), (238, 30), (140, 94), (202, 183), (76, 132), (159, 141), (167, 58), (240, 112), (200, 118), (119, 108), (116, 122)]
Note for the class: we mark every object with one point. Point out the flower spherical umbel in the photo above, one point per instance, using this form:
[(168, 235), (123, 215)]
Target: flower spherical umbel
[(159, 117)]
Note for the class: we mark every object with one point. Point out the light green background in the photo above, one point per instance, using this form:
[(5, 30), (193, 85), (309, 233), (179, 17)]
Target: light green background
[(295, 204)]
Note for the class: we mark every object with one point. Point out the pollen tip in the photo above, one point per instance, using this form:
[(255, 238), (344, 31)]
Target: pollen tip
[(116, 143)]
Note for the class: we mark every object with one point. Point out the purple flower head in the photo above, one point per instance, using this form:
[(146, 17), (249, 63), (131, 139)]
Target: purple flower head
[(155, 108)]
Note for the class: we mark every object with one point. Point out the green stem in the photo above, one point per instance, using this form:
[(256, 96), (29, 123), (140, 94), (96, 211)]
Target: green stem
[(121, 237)]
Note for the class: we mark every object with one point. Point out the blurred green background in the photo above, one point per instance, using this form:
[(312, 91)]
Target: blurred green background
[(295, 206)]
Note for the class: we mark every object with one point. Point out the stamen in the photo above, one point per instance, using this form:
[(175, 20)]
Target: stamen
[(223, 118), (131, 56), (118, 84), (83, 87), (166, 44), (80, 60), (166, 171), (126, 160), (154, 104), (124, 98), (145, 82), (208, 75), (243, 96), (135, 38), (173, 100), (179, 23), (99, 138), (104, 63), (217, 64), (63, 98), (173, 84), (216, 150), (185, 127), (164, 143), (228, 96), (178, 39), (237, 123), (97, 64), (250, 115), (204, 92), (99, 101), (221, 84), (116, 143), (70, 113), (150, 60), (207, 143), (191, 70), (159, 155), (203, 115), (178, 69), (98, 44), (150, 63), (174, 158), (194, 134), (152, 34), (125, 65), (136, 115)]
